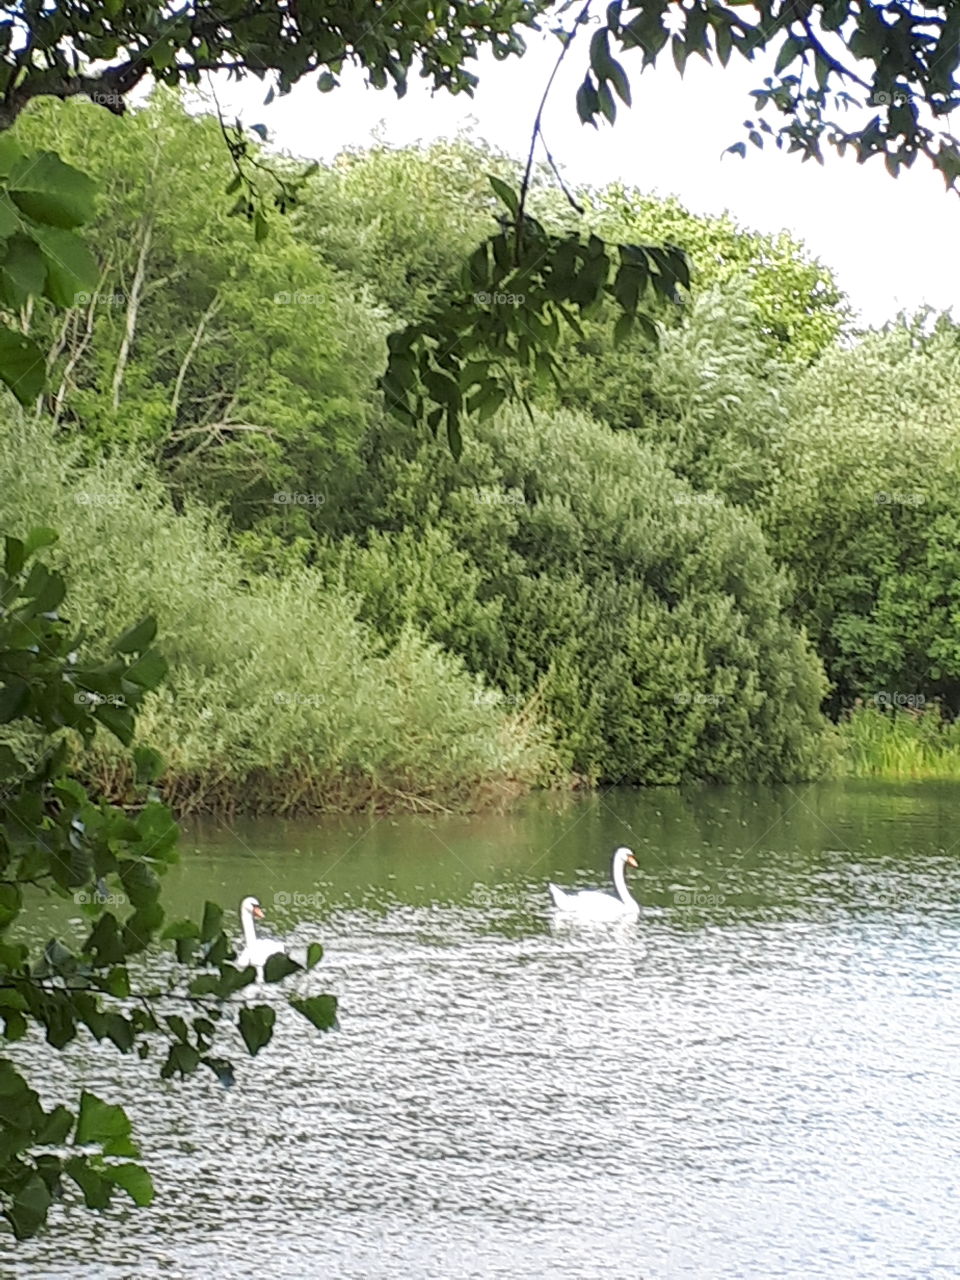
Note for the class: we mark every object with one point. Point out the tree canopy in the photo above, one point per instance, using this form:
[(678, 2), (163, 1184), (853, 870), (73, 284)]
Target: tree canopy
[(461, 358)]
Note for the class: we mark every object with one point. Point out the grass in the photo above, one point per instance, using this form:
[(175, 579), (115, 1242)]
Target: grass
[(899, 743)]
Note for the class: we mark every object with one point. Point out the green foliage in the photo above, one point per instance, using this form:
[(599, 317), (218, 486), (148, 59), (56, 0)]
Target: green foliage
[(887, 742), (720, 399), (865, 512), (402, 220), (58, 48), (42, 200), (277, 698), (245, 370), (646, 620), (514, 293), (905, 67), (55, 839), (799, 307)]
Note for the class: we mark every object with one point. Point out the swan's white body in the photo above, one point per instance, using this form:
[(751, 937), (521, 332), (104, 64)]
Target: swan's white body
[(256, 951), (595, 904)]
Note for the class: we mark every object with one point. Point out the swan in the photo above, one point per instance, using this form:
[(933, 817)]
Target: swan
[(595, 904), (256, 951)]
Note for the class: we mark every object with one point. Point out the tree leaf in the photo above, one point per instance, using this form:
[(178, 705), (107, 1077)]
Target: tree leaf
[(104, 1123), (71, 267), (256, 1027), (133, 1179), (320, 1010), (506, 193), (22, 365), (138, 638), (46, 189), (279, 966)]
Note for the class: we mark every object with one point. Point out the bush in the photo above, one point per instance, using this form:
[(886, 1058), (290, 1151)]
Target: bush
[(866, 513), (563, 561), (278, 698)]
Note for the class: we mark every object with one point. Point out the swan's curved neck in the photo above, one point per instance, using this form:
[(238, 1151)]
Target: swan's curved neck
[(249, 929), (620, 884)]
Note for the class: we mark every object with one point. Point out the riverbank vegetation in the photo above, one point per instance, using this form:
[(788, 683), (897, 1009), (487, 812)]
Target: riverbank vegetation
[(678, 566)]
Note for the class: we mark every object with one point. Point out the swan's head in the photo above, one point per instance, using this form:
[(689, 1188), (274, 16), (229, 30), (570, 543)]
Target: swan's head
[(624, 858), (251, 907)]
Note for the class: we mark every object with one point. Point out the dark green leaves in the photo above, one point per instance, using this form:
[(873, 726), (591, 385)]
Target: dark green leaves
[(22, 365), (41, 200), (49, 191), (28, 1209), (105, 1124), (256, 1027), (279, 966), (55, 837), (137, 638), (507, 194), (320, 1010), (519, 287)]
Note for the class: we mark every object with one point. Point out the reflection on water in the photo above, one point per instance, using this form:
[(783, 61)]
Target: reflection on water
[(756, 1080)]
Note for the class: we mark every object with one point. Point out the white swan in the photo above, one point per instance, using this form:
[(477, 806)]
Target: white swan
[(256, 951), (595, 904)]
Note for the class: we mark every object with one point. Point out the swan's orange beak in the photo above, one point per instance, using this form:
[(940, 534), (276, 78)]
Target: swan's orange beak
[(631, 861), (258, 912)]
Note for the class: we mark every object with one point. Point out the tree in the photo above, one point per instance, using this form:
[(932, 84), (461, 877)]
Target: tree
[(245, 369), (459, 359), (864, 513), (570, 567), (55, 839)]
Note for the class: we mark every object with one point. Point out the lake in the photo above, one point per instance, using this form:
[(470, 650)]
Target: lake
[(758, 1079)]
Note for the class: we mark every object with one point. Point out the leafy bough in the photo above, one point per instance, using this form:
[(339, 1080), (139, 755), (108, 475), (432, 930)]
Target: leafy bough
[(56, 839), (505, 314)]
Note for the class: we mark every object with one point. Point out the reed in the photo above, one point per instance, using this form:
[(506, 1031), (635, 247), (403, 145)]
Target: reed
[(899, 743)]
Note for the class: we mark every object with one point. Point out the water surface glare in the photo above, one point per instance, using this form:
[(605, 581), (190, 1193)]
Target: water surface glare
[(757, 1080)]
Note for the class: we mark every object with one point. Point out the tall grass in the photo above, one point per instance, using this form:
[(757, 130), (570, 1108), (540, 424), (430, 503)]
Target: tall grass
[(278, 698), (898, 743)]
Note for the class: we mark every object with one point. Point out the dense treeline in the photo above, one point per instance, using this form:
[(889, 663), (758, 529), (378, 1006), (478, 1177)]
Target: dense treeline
[(663, 572)]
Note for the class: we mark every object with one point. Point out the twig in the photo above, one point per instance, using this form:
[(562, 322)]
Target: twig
[(525, 185)]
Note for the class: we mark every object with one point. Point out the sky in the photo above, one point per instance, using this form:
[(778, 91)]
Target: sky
[(891, 243)]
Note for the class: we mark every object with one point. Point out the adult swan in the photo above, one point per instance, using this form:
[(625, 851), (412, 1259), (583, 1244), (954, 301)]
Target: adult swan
[(256, 951), (596, 904)]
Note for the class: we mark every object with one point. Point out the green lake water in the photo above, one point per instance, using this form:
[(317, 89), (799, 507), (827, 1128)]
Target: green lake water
[(758, 1079)]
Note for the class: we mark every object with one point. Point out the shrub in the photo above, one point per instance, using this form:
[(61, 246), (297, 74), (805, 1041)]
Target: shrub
[(648, 618), (278, 698)]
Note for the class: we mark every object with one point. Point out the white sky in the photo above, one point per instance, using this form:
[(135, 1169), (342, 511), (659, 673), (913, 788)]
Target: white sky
[(891, 242)]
